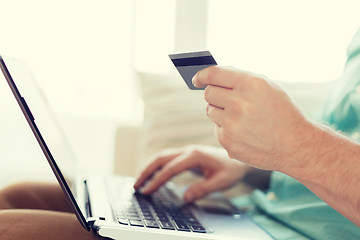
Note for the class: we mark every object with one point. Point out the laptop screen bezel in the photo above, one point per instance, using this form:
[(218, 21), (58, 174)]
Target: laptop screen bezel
[(31, 121)]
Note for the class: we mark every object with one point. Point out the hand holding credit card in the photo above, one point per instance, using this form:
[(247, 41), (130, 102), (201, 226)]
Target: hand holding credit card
[(188, 64)]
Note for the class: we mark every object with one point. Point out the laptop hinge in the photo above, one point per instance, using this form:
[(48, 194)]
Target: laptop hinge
[(90, 221), (87, 201)]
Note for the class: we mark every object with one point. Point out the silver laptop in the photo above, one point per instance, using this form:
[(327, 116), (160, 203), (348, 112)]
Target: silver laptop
[(109, 206)]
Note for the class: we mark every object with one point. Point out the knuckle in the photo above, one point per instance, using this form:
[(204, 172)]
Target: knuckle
[(231, 155), (194, 151), (259, 82), (227, 144), (210, 111), (230, 150)]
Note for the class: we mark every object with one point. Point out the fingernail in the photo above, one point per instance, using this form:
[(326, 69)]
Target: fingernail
[(194, 80)]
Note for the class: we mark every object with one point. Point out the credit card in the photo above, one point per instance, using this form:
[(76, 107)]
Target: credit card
[(188, 64)]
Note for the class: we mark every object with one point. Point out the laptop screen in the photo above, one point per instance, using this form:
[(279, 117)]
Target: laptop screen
[(44, 125)]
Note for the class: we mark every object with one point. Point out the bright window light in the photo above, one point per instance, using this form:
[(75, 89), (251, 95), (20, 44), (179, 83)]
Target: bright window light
[(154, 35), (79, 51), (285, 40)]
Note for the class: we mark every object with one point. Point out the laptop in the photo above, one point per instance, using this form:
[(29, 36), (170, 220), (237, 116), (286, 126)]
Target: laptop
[(108, 205)]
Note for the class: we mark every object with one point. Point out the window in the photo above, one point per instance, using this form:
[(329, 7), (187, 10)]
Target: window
[(285, 40), (291, 41), (79, 51), (154, 34), (81, 54)]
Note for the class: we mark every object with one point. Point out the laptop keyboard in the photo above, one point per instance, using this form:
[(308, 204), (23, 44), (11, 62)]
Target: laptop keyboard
[(156, 211)]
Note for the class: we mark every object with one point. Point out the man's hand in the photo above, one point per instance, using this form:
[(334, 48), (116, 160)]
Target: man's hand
[(218, 170), (256, 122)]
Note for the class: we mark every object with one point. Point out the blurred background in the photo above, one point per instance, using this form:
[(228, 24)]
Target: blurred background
[(85, 55)]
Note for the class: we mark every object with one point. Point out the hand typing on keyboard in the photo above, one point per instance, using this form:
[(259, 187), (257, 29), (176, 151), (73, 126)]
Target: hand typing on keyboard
[(218, 169)]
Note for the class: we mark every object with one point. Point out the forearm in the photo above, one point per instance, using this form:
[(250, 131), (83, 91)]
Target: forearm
[(329, 165)]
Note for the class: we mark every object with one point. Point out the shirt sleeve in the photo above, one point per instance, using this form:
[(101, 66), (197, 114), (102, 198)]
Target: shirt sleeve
[(342, 109)]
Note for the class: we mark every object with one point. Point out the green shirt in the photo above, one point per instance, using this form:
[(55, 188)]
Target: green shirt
[(291, 211)]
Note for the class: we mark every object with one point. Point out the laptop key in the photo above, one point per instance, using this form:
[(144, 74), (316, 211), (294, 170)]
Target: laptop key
[(149, 218), (193, 221), (133, 215), (151, 224), (123, 221), (199, 229), (147, 213), (163, 218), (136, 223), (181, 225), (122, 215), (166, 225)]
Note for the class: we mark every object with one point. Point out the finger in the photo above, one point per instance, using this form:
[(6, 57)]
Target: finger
[(154, 165), (181, 163), (217, 96), (217, 76), (206, 186), (215, 114)]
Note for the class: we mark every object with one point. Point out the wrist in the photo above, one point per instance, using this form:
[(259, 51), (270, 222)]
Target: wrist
[(303, 150), (318, 153)]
